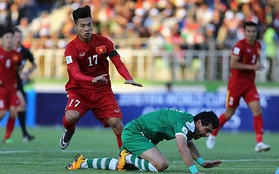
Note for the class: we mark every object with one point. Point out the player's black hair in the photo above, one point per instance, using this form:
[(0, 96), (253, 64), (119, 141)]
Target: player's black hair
[(249, 24), (5, 31), (82, 12), (207, 117)]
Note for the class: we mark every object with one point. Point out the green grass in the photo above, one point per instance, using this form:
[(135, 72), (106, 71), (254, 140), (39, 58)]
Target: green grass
[(43, 155)]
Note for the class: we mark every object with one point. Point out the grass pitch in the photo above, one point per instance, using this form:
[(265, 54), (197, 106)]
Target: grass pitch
[(43, 155)]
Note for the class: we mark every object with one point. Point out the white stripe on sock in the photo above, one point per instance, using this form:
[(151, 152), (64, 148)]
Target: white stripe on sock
[(94, 163), (152, 168), (128, 158), (112, 164), (103, 163), (136, 161), (142, 165)]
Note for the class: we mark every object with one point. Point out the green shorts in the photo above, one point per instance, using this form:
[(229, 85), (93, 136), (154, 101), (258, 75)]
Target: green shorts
[(135, 141)]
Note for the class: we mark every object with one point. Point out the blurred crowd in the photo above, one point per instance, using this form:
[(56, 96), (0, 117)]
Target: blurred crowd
[(168, 24)]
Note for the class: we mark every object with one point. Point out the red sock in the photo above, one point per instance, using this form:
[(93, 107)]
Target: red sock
[(258, 128), (9, 128), (222, 121), (67, 125), (119, 141)]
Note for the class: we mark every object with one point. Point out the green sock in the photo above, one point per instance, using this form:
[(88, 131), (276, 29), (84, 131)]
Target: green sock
[(140, 163), (102, 163)]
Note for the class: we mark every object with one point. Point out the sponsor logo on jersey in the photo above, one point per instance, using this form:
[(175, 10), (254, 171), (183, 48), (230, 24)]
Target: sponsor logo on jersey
[(116, 110), (69, 59), (82, 54), (101, 49)]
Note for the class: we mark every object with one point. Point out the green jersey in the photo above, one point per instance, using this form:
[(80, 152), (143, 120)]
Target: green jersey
[(164, 124)]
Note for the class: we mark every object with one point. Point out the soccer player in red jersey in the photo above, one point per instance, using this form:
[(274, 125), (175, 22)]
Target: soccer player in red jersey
[(9, 65), (243, 64), (89, 85)]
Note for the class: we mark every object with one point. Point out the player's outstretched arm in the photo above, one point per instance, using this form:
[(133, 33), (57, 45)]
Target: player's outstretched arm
[(196, 155), (132, 82)]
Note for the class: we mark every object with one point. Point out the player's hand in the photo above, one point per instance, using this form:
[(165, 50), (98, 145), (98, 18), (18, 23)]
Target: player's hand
[(24, 76), (211, 164), (100, 78), (258, 67), (132, 82)]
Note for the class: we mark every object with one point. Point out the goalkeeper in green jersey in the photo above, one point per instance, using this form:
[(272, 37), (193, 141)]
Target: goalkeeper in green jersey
[(141, 136)]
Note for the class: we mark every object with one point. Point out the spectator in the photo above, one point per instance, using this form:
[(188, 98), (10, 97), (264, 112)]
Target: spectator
[(25, 28), (270, 39), (66, 29), (14, 15), (3, 13)]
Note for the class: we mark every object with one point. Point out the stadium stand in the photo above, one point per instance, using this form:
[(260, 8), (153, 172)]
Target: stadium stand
[(176, 27)]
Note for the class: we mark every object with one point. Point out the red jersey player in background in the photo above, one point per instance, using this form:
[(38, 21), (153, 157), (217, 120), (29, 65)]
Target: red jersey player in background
[(243, 64), (9, 65), (89, 85)]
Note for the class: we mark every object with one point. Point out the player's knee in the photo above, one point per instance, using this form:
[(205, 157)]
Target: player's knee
[(118, 129), (229, 113), (162, 166), (72, 117), (116, 123), (257, 111), (13, 112)]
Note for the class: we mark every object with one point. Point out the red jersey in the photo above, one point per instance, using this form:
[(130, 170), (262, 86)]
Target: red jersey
[(9, 62), (248, 54), (88, 60)]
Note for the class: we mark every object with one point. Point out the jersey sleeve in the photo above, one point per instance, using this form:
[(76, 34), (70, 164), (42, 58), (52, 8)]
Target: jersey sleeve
[(237, 50), (110, 45), (116, 60), (185, 128), (121, 68), (73, 66)]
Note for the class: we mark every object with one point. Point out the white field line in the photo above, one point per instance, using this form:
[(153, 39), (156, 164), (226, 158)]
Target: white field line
[(77, 151), (242, 160)]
